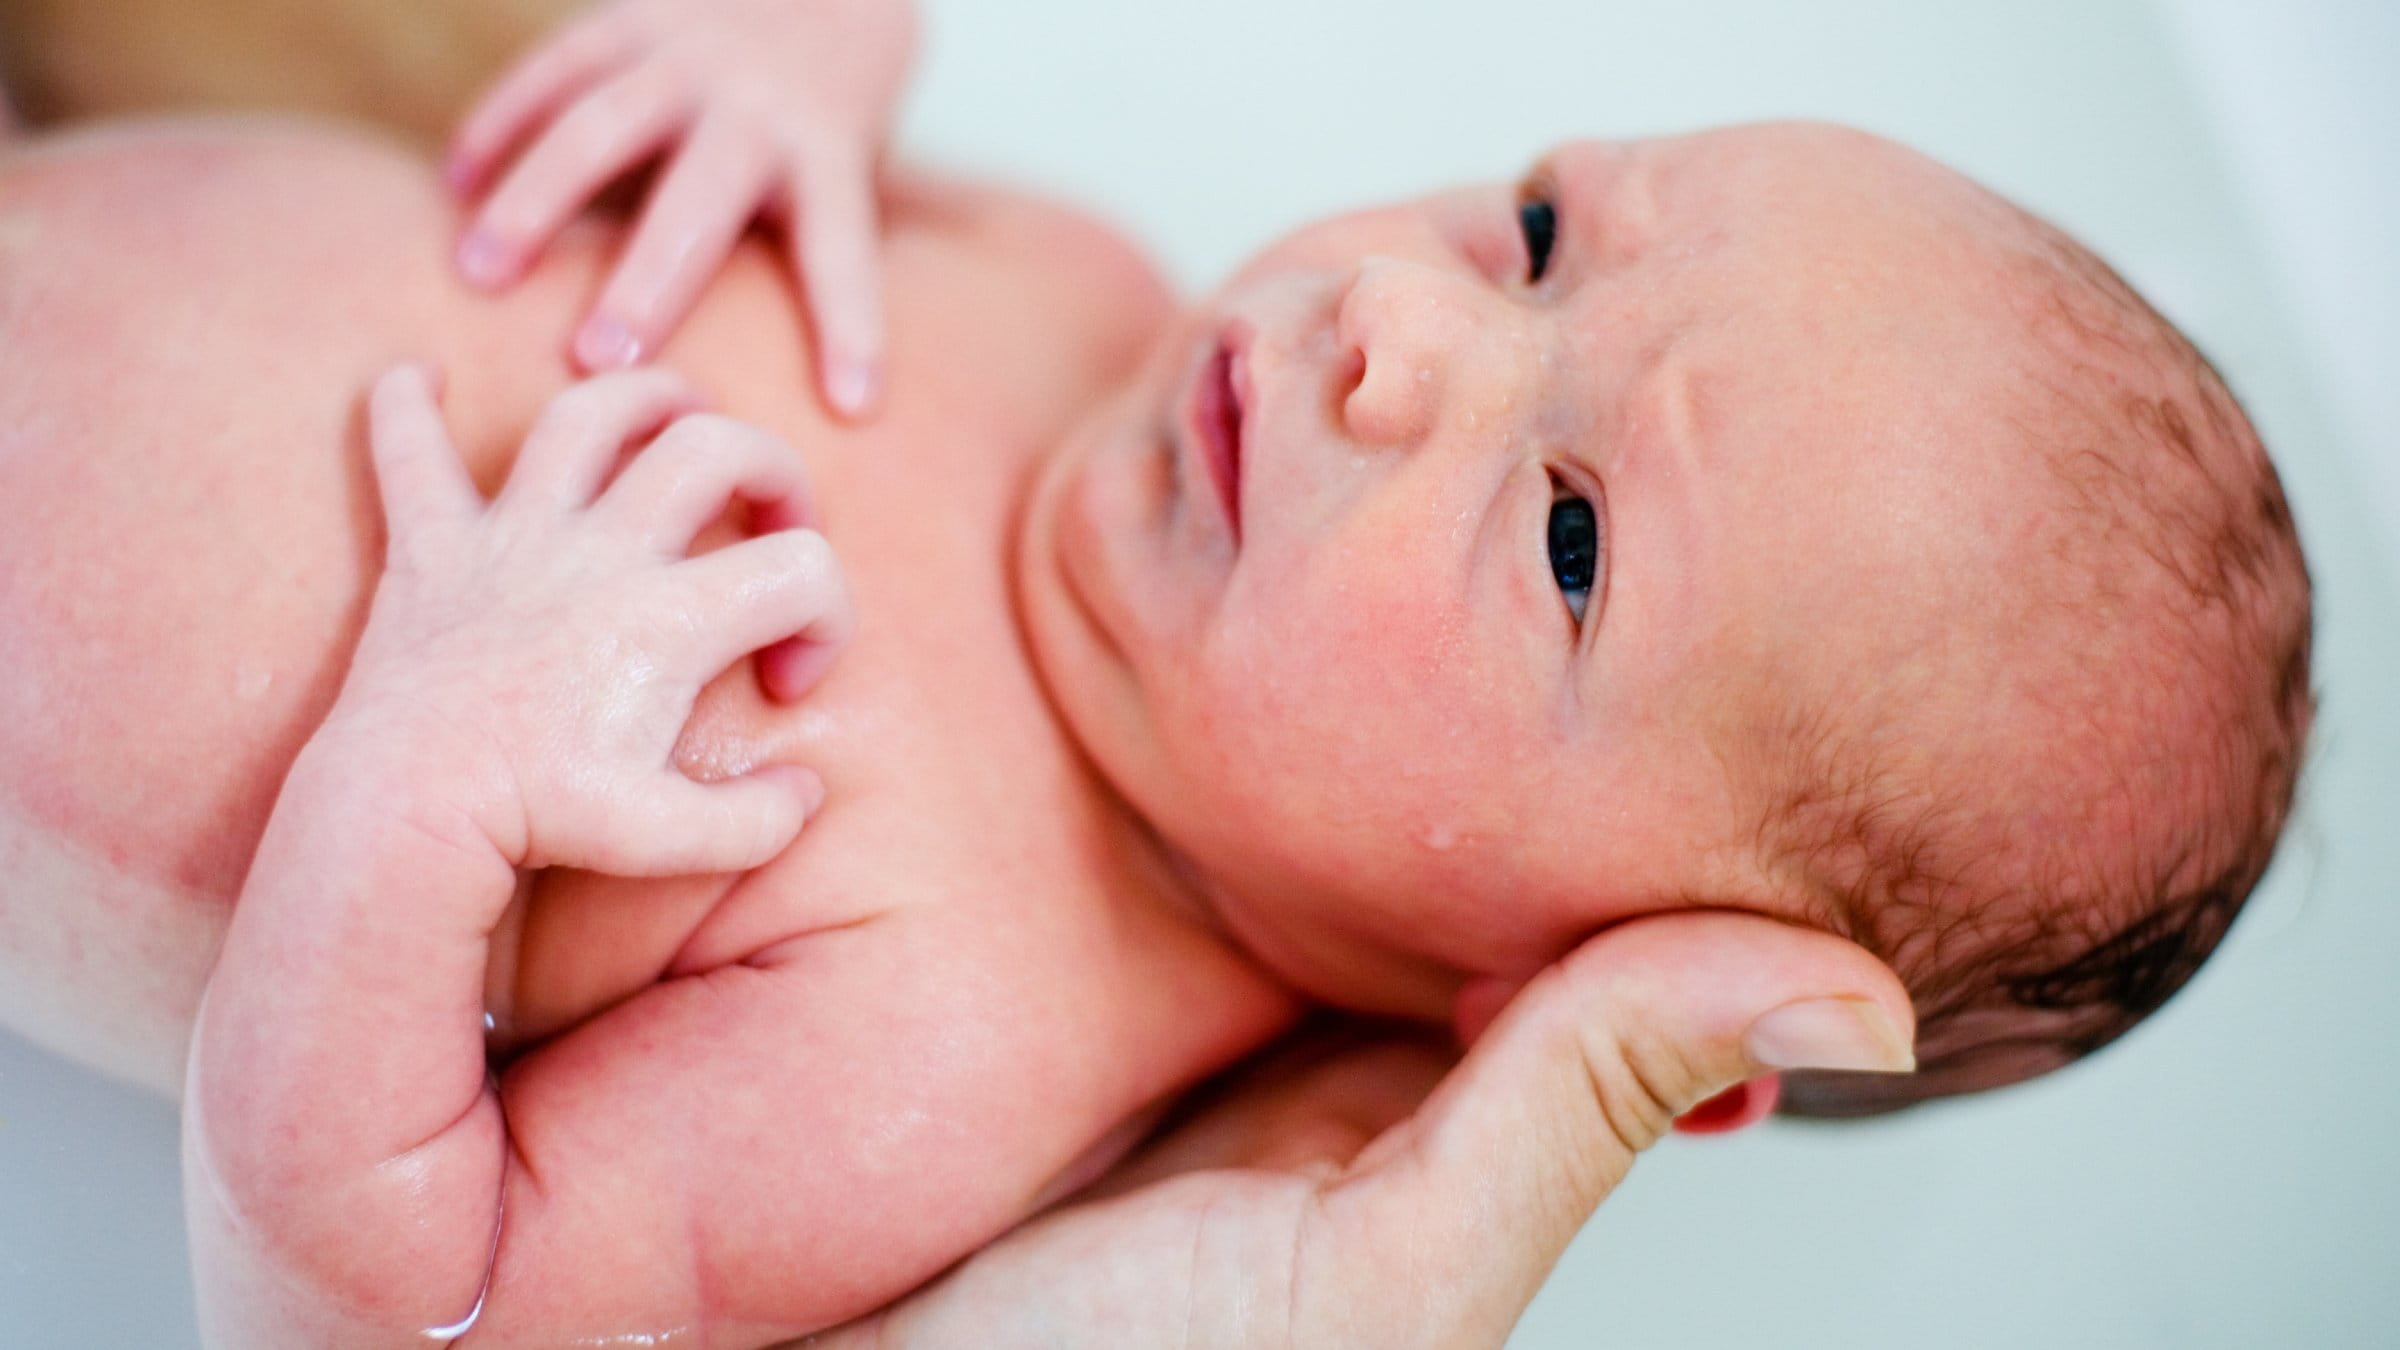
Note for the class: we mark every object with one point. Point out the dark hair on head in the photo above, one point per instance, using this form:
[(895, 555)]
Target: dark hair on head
[(2037, 920)]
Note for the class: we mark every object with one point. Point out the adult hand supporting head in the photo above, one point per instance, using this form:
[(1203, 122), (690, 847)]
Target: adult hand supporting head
[(1260, 1222)]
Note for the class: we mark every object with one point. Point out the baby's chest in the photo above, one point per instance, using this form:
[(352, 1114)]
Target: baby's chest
[(950, 810), (578, 943), (926, 1014)]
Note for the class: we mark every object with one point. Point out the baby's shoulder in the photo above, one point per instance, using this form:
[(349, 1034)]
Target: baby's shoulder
[(1066, 251)]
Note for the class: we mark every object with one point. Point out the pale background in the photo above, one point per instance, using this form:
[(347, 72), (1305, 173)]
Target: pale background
[(2224, 1177)]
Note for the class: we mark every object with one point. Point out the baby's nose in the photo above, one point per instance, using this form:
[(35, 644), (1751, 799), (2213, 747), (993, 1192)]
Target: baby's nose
[(1413, 335)]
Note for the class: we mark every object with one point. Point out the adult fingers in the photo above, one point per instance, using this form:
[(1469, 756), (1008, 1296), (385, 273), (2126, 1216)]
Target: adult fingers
[(835, 250), (581, 435), (696, 213), (530, 91), (1478, 1193), (608, 130), (424, 485), (686, 477), (777, 588)]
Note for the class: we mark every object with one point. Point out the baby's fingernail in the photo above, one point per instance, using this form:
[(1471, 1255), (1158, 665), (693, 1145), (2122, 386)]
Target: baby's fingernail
[(849, 385), (482, 259), (605, 344), (1829, 1033)]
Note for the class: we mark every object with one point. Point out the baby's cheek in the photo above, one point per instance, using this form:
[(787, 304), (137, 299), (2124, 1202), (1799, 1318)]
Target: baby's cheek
[(1374, 696)]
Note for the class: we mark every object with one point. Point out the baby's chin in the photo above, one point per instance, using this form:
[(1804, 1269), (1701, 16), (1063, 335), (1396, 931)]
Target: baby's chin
[(1343, 971), (1365, 950)]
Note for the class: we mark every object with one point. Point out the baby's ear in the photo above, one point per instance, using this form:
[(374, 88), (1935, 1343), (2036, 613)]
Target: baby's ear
[(1733, 1109)]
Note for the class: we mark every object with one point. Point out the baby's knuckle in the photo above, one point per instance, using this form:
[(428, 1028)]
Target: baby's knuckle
[(703, 436), (666, 623), (594, 128), (593, 402), (696, 450), (581, 405), (587, 131)]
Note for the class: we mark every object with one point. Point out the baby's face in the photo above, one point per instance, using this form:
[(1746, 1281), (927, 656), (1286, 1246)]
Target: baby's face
[(1430, 588)]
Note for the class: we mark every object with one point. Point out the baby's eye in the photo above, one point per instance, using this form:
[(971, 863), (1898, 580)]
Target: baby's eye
[(1538, 221), (1574, 549)]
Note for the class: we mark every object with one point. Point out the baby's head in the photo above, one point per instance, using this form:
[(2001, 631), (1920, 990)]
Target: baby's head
[(1767, 519)]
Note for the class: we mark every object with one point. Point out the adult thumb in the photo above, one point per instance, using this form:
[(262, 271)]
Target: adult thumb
[(1473, 1199)]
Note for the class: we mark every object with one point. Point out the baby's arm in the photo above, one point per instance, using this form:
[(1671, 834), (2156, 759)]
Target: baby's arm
[(513, 702)]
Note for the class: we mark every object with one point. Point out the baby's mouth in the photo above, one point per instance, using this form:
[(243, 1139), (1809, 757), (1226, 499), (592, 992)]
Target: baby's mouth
[(1215, 419)]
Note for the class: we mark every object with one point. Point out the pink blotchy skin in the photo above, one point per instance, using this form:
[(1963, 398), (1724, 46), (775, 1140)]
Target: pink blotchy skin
[(1114, 789), (999, 979)]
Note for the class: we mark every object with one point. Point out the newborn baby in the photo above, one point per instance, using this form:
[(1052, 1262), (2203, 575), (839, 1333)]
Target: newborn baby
[(1765, 520)]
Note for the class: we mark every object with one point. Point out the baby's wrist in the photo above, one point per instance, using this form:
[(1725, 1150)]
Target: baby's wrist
[(375, 760)]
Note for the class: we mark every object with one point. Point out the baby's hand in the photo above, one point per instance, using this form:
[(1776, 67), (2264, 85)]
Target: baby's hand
[(547, 646), (775, 106)]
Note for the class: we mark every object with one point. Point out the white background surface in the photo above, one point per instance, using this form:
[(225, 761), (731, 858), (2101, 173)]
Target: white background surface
[(2222, 1178)]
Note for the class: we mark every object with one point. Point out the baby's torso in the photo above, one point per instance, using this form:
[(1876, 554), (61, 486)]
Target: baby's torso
[(187, 319)]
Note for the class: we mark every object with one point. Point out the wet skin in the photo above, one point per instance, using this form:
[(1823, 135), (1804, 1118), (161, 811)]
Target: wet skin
[(1360, 748), (987, 976), (1373, 718)]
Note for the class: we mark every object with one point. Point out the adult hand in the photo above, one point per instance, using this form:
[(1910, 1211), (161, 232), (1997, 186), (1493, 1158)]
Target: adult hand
[(1261, 1222), (775, 107)]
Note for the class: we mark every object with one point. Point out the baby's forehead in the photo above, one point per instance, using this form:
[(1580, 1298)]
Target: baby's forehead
[(1826, 155), (1825, 196), (1782, 257)]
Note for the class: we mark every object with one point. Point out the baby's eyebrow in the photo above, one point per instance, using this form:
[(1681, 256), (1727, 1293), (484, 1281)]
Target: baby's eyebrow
[(1607, 200)]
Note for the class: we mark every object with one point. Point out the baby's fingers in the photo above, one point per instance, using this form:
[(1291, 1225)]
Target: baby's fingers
[(696, 213), (531, 91), (783, 589), (423, 483), (581, 435), (606, 132), (728, 826), (693, 470), (834, 243)]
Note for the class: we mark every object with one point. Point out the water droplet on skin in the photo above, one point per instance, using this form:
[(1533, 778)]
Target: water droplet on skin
[(1441, 838), (250, 682)]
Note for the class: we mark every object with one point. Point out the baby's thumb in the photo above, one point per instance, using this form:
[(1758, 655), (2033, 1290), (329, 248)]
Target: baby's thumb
[(1590, 1064), (731, 825)]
